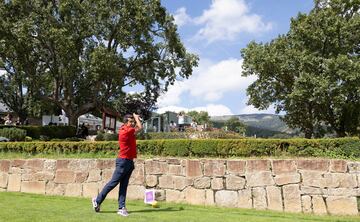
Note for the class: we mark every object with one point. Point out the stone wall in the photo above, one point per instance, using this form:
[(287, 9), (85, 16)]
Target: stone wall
[(291, 185)]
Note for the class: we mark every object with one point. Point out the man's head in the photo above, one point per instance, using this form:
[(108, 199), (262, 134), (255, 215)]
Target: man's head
[(129, 120)]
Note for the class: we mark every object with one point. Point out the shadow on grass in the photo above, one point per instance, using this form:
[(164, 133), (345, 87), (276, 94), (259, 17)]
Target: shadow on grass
[(168, 209)]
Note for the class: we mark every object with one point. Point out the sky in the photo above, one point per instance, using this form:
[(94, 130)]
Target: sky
[(216, 30)]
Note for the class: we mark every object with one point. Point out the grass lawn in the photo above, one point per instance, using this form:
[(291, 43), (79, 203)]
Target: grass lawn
[(32, 207)]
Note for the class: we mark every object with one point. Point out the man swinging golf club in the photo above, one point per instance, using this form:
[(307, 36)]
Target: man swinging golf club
[(124, 163)]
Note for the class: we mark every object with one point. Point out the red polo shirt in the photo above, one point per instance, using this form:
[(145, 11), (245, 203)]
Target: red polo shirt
[(127, 142)]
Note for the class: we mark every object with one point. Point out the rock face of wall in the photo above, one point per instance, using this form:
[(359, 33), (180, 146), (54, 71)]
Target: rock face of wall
[(291, 185)]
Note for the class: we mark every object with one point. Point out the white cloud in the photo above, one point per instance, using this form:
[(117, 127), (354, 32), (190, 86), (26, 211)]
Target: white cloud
[(209, 82), (2, 72), (181, 17), (252, 110), (212, 109), (220, 78), (226, 19)]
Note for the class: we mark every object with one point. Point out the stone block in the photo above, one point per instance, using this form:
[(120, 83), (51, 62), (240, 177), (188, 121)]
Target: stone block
[(226, 198), (259, 179), (319, 206), (342, 205), (312, 191), (236, 167), (151, 181), (202, 183), (49, 165), (274, 198), (340, 180), (35, 164), (318, 165), (81, 177), (174, 196), (259, 198), (292, 201), (33, 187), (64, 176), (217, 183), (209, 197), (82, 164), (338, 166), (214, 168), (73, 189), (257, 165), (235, 183), (42, 176), (52, 188), (155, 167), (94, 176), (4, 166), (4, 180), (290, 178), (62, 164), (354, 167), (90, 189), (135, 192), (14, 182), (312, 179), (283, 166), (245, 199), (176, 170), (160, 195), (138, 176), (193, 168), (346, 192), (306, 204), (194, 196), (173, 161), (18, 163), (107, 174), (181, 183), (166, 181), (105, 164)]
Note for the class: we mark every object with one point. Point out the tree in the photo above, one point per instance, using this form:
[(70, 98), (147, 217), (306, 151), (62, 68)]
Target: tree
[(312, 72), (201, 117), (83, 55), (235, 125)]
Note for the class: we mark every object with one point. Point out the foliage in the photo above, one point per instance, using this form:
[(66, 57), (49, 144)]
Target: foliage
[(102, 136), (201, 117), (235, 125), (312, 72), (193, 135), (80, 55), (50, 132), (344, 148), (13, 134)]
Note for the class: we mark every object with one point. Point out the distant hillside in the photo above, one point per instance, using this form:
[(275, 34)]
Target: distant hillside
[(263, 125)]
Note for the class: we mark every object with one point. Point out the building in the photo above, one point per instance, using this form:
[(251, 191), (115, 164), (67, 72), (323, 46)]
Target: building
[(161, 122)]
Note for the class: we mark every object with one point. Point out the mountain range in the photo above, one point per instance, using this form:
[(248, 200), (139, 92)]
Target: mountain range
[(260, 125)]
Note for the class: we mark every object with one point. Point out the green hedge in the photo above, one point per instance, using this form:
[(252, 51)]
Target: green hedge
[(35, 132), (332, 148), (13, 134), (187, 135)]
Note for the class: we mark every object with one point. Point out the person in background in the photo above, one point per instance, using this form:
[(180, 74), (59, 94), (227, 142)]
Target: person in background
[(181, 121)]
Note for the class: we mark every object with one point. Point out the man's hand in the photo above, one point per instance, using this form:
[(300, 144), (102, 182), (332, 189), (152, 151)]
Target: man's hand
[(138, 126)]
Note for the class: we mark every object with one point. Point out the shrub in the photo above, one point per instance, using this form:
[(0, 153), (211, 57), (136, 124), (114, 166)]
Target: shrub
[(333, 148), (58, 132), (13, 134)]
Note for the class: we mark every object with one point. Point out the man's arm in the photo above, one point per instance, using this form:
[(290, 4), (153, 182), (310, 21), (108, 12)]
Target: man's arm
[(138, 126)]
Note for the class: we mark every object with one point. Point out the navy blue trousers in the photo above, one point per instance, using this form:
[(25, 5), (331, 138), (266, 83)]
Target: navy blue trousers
[(122, 173)]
